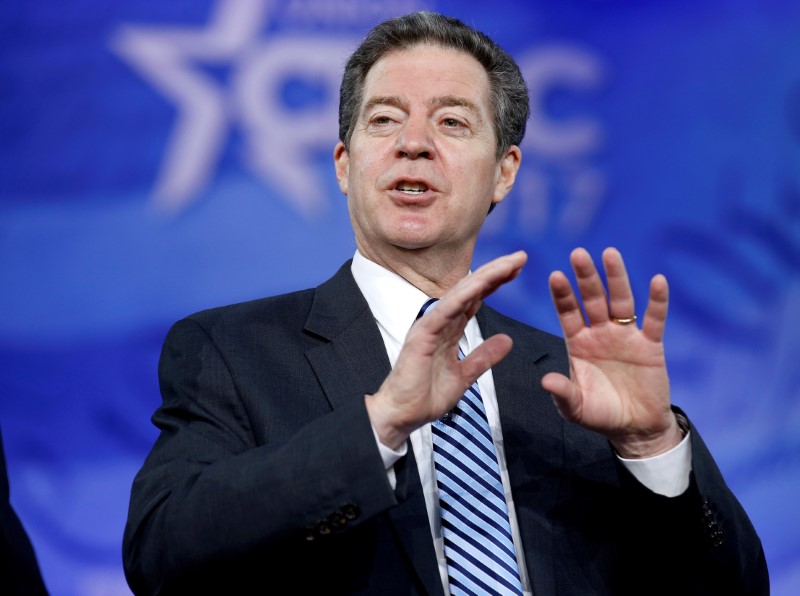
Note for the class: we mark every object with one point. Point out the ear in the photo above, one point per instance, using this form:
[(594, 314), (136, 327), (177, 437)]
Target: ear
[(507, 173), (341, 161)]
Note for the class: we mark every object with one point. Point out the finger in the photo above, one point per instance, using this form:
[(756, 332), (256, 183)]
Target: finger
[(566, 395), (485, 356), (620, 296), (444, 325), (590, 286), (500, 271), (464, 299), (655, 318), (566, 303)]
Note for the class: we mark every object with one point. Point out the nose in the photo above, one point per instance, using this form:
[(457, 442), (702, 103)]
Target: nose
[(414, 140)]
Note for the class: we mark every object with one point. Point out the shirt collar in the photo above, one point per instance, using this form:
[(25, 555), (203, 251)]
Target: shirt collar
[(393, 301)]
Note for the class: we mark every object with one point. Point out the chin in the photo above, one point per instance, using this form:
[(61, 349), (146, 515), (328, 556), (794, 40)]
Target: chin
[(413, 235), (412, 243)]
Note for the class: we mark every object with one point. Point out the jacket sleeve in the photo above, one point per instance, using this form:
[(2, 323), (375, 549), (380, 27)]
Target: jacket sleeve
[(209, 492), (701, 542)]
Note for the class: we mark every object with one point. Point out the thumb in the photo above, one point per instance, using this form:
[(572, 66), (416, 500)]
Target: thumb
[(566, 395)]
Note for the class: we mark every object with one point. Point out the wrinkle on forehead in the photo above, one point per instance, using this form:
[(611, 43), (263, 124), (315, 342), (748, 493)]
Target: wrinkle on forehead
[(441, 101), (430, 52)]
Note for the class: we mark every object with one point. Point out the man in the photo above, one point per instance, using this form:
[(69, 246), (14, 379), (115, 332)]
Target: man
[(19, 570), (306, 439)]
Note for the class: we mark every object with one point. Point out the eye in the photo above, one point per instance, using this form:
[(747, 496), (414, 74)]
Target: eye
[(383, 122), (380, 121), (452, 123)]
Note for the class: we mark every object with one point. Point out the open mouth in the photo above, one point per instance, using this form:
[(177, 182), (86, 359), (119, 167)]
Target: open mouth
[(412, 188)]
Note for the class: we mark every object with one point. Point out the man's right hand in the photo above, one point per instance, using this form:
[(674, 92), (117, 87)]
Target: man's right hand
[(428, 379)]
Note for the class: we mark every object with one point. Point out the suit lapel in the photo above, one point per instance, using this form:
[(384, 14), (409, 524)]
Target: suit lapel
[(350, 363), (351, 360), (533, 441)]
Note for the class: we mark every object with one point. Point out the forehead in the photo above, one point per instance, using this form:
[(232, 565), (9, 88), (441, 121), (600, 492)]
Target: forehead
[(426, 71)]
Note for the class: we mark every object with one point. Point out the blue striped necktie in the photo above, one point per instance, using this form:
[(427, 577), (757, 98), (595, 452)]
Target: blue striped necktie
[(477, 534)]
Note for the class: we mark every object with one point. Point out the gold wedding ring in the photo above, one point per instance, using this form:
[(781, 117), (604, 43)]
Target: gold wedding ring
[(624, 321)]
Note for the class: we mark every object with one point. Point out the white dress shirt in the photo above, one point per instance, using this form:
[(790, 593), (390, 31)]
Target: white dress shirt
[(395, 304)]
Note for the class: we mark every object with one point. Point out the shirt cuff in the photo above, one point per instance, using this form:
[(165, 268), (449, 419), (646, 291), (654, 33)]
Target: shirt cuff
[(666, 474), (389, 457)]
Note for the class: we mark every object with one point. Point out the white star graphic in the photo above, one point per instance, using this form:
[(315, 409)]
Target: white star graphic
[(279, 141)]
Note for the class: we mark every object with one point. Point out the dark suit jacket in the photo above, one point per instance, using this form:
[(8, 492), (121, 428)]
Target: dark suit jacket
[(266, 476), (19, 571)]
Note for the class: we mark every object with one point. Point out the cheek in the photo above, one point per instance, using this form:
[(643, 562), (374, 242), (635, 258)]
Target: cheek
[(477, 181), (364, 175)]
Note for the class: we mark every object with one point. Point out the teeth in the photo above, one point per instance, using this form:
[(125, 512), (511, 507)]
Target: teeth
[(412, 187)]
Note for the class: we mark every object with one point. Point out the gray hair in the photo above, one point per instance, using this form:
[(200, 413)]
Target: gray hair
[(508, 92)]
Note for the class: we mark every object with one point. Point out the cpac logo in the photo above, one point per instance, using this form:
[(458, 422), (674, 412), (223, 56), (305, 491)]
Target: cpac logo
[(281, 141)]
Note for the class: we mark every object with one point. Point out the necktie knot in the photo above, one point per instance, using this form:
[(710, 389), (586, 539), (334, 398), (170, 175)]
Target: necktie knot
[(429, 305)]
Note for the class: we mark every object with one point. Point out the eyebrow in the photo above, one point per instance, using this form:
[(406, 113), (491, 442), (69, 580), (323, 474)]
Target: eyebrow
[(454, 101), (444, 101), (384, 100)]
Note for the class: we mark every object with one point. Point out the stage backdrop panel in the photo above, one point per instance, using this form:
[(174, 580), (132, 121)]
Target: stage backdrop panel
[(158, 158)]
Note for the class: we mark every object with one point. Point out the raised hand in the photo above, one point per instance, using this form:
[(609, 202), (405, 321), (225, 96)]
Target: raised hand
[(428, 378), (619, 385)]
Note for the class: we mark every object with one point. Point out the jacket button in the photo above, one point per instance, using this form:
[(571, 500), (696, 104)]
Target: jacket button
[(310, 536), (337, 519), (351, 511), (323, 528)]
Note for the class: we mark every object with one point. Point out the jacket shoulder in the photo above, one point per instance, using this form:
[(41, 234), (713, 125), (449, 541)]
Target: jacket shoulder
[(282, 309)]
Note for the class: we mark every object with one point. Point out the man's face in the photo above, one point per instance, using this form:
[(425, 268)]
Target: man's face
[(422, 170)]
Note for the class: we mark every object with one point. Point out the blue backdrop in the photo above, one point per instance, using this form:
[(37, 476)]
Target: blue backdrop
[(158, 158)]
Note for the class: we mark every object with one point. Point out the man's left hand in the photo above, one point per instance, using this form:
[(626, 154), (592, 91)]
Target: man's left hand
[(619, 385)]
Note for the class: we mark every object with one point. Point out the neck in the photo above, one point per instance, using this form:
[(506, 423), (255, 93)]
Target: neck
[(430, 270)]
